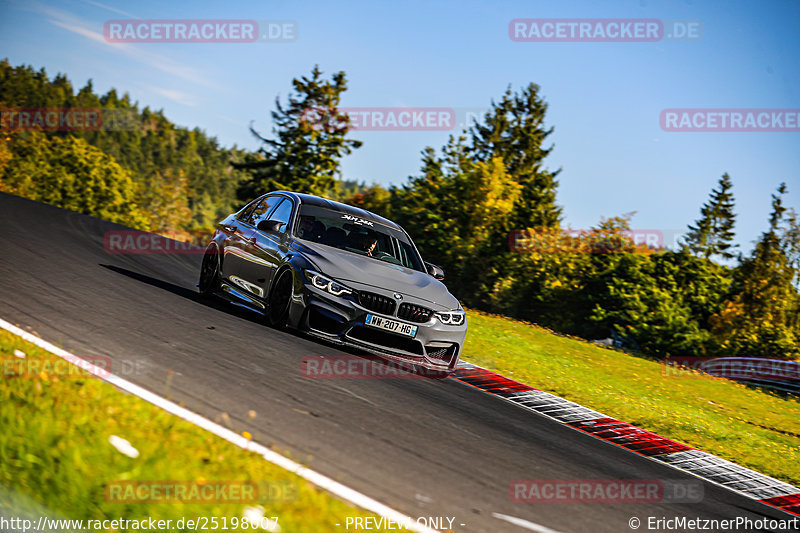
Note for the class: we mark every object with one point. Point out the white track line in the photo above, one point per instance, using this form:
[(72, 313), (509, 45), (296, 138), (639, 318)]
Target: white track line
[(524, 523), (321, 481)]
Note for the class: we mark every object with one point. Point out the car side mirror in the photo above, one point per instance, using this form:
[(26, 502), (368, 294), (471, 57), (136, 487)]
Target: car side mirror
[(434, 271), (269, 226)]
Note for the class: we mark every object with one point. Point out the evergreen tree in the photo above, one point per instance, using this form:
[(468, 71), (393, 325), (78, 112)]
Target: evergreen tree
[(713, 233), (759, 318), (513, 130), (310, 141)]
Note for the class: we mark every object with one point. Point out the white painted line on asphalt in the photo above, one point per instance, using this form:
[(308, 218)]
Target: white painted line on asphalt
[(524, 523), (321, 481)]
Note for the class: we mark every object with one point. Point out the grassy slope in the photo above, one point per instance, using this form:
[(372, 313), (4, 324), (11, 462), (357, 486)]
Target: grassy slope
[(752, 428), (54, 448)]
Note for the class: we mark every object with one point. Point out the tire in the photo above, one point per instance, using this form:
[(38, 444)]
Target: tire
[(280, 297), (209, 273)]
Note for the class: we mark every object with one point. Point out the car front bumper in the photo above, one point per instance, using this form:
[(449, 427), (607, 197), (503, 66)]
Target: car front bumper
[(435, 347)]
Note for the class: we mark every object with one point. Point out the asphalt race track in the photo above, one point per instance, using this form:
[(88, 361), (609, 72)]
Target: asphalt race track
[(425, 447)]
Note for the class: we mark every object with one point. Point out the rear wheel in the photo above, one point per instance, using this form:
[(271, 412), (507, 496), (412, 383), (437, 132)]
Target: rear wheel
[(279, 299), (209, 272)]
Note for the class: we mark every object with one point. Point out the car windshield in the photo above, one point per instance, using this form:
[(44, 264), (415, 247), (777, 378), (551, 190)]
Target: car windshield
[(354, 234)]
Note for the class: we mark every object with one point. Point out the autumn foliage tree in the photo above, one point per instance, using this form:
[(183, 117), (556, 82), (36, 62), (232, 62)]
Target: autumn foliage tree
[(182, 177), (459, 210), (68, 172)]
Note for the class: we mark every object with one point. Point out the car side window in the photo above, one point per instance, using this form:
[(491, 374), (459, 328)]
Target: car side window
[(262, 210), (244, 215), (282, 214)]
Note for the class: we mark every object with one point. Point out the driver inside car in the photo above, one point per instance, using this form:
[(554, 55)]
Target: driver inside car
[(370, 243)]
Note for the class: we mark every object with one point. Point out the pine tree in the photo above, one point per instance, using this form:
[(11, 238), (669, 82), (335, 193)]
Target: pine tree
[(713, 233), (759, 319), (513, 130), (310, 133)]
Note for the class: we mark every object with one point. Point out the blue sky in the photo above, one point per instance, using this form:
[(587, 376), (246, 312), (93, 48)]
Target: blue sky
[(604, 98)]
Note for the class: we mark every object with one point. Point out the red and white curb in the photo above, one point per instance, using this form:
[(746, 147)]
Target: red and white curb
[(675, 454)]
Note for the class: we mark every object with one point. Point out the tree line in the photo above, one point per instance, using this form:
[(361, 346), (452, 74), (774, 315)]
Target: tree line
[(137, 168), (704, 298)]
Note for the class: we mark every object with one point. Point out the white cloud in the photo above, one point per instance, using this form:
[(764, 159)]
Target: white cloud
[(109, 8), (175, 96), (153, 60)]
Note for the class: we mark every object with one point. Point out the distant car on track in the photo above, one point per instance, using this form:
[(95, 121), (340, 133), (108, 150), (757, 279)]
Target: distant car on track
[(337, 272)]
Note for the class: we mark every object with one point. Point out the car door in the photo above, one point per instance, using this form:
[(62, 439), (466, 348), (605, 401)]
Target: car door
[(239, 251), (270, 247)]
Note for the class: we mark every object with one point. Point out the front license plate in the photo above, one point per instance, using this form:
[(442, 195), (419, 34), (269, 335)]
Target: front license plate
[(391, 325)]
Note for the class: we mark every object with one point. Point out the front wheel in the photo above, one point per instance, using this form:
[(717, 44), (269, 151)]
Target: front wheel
[(209, 272), (279, 299)]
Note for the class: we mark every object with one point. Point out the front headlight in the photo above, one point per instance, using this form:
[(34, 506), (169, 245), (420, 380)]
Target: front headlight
[(326, 284), (452, 318)]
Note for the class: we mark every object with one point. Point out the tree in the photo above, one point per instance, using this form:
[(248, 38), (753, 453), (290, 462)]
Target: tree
[(759, 317), (459, 212), (513, 130), (374, 198), (790, 242), (310, 139), (175, 170), (68, 172), (713, 233)]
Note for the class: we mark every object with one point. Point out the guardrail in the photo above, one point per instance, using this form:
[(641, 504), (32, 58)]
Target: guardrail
[(775, 374)]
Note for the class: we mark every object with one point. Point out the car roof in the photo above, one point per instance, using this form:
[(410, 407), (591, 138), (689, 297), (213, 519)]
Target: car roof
[(318, 201)]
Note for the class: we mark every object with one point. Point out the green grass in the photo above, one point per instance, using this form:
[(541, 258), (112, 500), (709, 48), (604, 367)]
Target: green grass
[(750, 427), (55, 450)]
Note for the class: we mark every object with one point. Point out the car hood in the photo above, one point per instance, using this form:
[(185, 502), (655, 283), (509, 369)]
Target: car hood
[(359, 271)]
